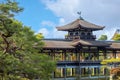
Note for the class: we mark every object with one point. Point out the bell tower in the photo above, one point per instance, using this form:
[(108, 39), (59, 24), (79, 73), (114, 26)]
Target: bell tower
[(80, 29)]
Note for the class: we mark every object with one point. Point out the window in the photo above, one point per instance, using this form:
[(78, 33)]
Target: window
[(88, 33), (82, 33), (76, 33), (71, 33)]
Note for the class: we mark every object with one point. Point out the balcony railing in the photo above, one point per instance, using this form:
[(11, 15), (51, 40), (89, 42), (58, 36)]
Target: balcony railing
[(77, 63), (69, 37)]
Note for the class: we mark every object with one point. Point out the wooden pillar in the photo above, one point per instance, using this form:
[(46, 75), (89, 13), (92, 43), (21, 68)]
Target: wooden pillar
[(71, 72), (63, 55), (89, 56), (77, 55), (71, 57), (94, 56), (105, 54), (98, 72), (61, 71), (93, 72), (114, 54), (89, 72), (84, 56), (48, 53), (65, 72), (52, 54), (98, 53), (105, 73), (53, 75), (88, 53)]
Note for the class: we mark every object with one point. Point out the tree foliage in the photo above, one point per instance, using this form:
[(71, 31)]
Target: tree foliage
[(117, 37), (103, 37), (18, 57), (39, 36), (116, 73)]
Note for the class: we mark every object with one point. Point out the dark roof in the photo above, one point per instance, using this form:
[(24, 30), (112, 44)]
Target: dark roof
[(66, 44), (91, 43), (57, 44), (79, 23), (115, 45)]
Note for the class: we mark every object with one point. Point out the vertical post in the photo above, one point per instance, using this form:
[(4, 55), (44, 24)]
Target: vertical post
[(61, 71), (77, 55), (65, 73), (63, 55), (89, 73), (84, 56), (105, 55), (71, 72), (89, 54), (53, 75), (93, 72), (98, 53), (52, 54), (98, 72), (105, 73), (114, 54), (78, 59)]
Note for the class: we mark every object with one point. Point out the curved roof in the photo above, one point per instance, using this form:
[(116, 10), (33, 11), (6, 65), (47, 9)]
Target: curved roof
[(115, 45), (57, 44), (79, 23), (64, 44), (91, 43)]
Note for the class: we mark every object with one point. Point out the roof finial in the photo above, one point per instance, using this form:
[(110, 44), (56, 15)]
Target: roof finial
[(79, 13)]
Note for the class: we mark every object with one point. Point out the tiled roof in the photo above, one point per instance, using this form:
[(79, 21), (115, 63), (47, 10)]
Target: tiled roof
[(71, 44), (91, 43), (115, 45), (57, 44), (79, 23)]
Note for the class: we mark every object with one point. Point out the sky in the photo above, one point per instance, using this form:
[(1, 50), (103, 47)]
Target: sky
[(43, 16)]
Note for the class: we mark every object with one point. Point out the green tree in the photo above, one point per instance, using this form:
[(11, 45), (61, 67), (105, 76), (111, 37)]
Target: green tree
[(103, 37), (39, 36), (115, 72), (18, 56), (117, 37)]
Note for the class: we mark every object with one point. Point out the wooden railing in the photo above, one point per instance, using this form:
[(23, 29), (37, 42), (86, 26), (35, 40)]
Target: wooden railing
[(77, 63)]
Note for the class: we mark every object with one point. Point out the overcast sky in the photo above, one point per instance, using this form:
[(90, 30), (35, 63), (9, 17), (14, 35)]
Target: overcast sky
[(44, 15)]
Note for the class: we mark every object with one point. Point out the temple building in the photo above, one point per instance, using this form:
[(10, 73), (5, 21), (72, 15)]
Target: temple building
[(79, 55)]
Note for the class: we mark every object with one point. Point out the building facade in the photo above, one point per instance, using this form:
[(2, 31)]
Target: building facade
[(79, 55)]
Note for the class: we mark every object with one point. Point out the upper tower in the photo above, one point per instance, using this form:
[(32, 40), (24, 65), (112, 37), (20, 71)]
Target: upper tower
[(80, 29)]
